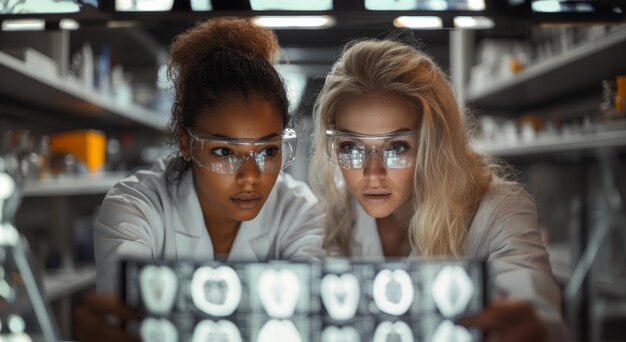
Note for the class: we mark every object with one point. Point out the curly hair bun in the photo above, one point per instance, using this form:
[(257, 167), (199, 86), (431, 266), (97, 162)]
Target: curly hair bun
[(241, 35)]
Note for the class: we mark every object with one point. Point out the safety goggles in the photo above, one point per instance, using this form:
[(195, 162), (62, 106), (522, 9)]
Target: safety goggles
[(226, 156), (351, 151)]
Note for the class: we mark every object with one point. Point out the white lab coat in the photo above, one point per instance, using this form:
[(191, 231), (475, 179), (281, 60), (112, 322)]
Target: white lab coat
[(505, 232), (141, 218)]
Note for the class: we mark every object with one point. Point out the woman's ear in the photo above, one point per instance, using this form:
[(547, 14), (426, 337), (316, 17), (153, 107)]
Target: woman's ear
[(183, 145)]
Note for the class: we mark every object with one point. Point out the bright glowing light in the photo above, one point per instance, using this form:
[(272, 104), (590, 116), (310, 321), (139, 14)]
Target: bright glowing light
[(476, 5), (23, 25), (38, 6), (438, 5), (424, 22), (290, 5), (306, 22), (201, 5), (143, 5), (473, 22), (546, 6), (431, 5), (69, 24), (386, 5)]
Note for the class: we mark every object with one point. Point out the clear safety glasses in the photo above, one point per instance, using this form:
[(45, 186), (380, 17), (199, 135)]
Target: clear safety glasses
[(351, 151), (226, 156)]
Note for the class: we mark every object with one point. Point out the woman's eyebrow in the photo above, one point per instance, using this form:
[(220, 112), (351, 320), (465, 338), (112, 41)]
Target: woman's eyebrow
[(400, 130), (226, 137)]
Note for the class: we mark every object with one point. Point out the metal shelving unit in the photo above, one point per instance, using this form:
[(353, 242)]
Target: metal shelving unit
[(579, 68), (60, 94), (557, 144), (556, 86), (71, 186), (34, 96)]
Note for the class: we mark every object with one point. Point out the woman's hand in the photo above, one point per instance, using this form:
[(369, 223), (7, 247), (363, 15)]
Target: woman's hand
[(510, 321), (98, 318)]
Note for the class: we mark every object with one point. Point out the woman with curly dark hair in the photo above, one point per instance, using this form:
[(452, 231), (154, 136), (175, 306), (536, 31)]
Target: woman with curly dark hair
[(221, 194)]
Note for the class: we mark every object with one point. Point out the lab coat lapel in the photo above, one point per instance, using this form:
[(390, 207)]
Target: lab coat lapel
[(192, 239), (252, 242)]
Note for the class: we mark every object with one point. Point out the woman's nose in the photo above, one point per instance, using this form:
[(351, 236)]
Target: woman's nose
[(374, 166), (249, 173)]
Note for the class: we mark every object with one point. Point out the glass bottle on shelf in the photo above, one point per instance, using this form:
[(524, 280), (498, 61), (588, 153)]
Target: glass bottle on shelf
[(27, 157), (607, 106), (44, 156)]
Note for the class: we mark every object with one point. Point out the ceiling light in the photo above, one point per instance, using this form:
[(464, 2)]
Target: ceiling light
[(290, 5), (386, 5), (304, 22), (428, 5), (476, 5), (40, 6), (24, 25), (438, 5), (143, 5), (201, 5), (414, 22), (473, 22), (549, 6), (68, 24)]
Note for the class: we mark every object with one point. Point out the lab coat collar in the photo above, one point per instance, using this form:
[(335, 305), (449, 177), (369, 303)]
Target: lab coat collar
[(251, 242), (189, 209)]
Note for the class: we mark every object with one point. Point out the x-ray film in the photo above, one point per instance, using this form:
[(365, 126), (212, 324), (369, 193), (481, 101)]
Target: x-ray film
[(335, 300)]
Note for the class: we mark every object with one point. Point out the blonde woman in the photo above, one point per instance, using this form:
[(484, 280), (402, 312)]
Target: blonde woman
[(396, 177)]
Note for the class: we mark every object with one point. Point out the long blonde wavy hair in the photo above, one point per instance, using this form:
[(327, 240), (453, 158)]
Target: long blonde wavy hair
[(450, 179)]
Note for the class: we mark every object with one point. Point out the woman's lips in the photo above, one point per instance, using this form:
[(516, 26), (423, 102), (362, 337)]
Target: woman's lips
[(376, 196), (247, 201)]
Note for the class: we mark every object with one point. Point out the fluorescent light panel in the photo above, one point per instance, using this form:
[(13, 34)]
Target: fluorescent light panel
[(38, 6), (418, 22), (143, 5), (555, 6), (305, 22), (292, 5), (68, 24), (24, 25), (473, 22), (427, 5), (201, 5)]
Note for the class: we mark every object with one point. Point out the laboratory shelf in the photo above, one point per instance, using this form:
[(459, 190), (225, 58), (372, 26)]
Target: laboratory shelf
[(556, 143), (581, 68), (49, 91), (72, 185)]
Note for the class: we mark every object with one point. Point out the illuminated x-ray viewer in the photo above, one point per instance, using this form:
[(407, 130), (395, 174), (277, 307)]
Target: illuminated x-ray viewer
[(338, 299)]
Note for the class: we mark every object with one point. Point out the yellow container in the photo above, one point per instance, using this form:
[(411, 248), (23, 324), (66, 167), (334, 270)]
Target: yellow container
[(87, 145)]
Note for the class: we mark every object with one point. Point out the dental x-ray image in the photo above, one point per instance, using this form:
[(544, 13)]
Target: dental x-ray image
[(335, 300)]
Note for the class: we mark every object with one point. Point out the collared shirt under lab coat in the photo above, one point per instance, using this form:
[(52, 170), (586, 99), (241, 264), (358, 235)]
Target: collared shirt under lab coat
[(505, 232), (141, 218)]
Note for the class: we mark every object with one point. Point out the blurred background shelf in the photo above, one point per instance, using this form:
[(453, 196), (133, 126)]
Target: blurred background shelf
[(78, 185), (64, 96), (558, 143), (576, 70)]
